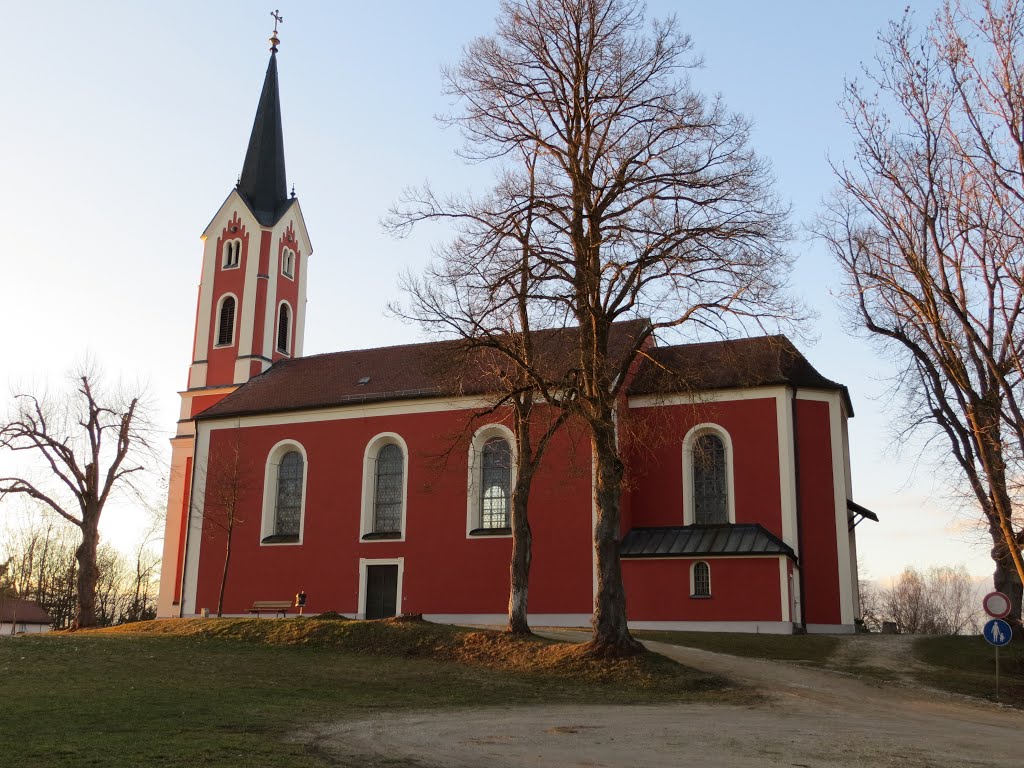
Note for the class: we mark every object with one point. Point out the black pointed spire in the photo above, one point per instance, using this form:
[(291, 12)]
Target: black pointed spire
[(263, 183)]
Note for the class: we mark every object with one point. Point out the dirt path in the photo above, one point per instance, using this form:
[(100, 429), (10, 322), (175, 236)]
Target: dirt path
[(812, 718)]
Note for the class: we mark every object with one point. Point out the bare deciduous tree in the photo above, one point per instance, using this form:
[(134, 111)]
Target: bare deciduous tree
[(491, 314), (40, 552), (91, 443), (41, 564), (643, 199), (223, 501), (927, 224), (941, 601)]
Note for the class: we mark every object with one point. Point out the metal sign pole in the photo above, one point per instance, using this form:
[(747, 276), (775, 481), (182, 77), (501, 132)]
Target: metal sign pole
[(997, 673)]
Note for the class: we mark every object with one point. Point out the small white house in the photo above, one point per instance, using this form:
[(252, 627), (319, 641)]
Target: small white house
[(22, 617)]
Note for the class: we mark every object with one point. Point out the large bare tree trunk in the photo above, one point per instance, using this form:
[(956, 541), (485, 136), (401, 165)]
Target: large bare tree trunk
[(522, 556), (88, 574), (611, 633)]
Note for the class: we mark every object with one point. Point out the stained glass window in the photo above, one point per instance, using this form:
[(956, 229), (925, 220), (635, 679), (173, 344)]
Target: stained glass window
[(495, 483), (388, 489), (289, 495), (710, 492)]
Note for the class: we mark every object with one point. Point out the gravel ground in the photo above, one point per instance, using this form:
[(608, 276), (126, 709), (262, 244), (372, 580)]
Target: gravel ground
[(810, 717)]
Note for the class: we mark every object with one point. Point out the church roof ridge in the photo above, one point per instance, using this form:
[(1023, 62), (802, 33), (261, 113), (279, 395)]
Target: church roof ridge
[(752, 361), (448, 368), (457, 341)]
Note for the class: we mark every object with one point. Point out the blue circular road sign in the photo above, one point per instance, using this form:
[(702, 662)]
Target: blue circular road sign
[(997, 632)]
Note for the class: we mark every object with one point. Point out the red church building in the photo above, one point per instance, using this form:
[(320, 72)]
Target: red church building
[(369, 480)]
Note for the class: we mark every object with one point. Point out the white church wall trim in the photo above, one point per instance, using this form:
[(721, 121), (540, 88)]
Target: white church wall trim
[(359, 409), (837, 413)]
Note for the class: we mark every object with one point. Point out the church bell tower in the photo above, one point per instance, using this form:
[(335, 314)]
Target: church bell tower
[(251, 308)]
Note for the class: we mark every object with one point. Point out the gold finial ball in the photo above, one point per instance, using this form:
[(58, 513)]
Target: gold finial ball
[(274, 42)]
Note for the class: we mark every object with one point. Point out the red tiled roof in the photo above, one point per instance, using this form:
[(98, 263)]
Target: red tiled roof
[(406, 372), (450, 369), (22, 612), (755, 362)]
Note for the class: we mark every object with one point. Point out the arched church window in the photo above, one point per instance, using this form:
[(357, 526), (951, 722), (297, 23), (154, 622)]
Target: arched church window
[(388, 489), (700, 579), (288, 262), (710, 484), (495, 483), (288, 510), (283, 329), (226, 322), (492, 475)]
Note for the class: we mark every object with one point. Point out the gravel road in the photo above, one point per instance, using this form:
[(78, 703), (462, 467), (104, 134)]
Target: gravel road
[(810, 717)]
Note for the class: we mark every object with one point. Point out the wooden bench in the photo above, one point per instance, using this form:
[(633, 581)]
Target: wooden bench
[(270, 606)]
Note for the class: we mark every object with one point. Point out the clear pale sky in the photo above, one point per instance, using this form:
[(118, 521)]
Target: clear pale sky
[(125, 125)]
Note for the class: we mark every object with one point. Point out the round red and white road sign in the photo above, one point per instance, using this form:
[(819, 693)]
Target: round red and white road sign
[(997, 605)]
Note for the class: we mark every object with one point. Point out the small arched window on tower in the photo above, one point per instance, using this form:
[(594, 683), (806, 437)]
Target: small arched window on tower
[(495, 483), (284, 323), (288, 262), (710, 484), (232, 254)]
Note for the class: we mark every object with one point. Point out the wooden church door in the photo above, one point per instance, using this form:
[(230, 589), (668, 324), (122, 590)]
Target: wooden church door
[(381, 591)]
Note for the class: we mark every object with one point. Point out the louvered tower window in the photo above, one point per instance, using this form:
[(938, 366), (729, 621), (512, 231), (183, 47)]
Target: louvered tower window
[(226, 322), (289, 495), (283, 328), (388, 490), (710, 489), (495, 483)]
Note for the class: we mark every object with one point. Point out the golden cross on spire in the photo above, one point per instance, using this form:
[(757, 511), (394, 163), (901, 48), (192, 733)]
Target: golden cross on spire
[(278, 18)]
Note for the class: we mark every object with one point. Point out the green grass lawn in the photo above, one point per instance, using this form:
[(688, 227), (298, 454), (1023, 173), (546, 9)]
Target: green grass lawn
[(229, 692), (808, 648), (966, 664)]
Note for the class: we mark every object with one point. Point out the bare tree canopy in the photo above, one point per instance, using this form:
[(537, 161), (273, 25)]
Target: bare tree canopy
[(623, 192), (927, 226), (91, 443), (941, 601)]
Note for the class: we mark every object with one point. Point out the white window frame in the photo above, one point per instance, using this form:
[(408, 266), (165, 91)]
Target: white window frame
[(270, 492), (693, 580), (288, 263), (370, 483), (688, 443), (234, 322), (476, 448), (226, 247), (277, 329), (399, 596)]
